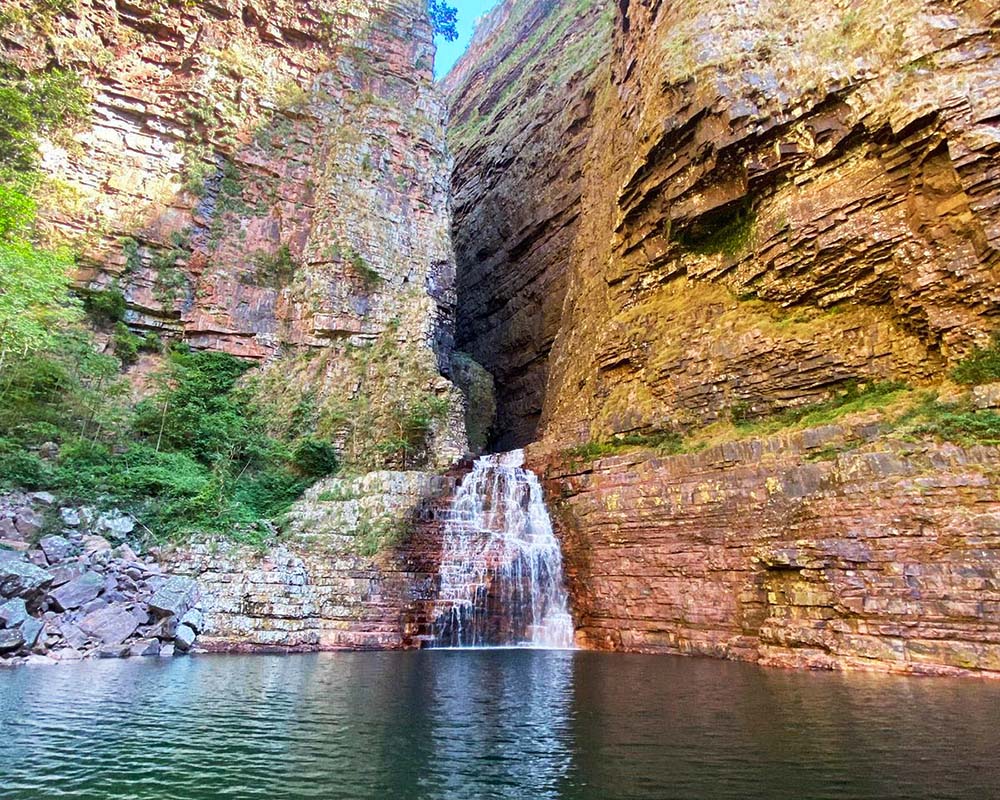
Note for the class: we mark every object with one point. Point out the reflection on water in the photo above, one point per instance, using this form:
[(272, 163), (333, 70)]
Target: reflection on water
[(489, 724), (508, 728)]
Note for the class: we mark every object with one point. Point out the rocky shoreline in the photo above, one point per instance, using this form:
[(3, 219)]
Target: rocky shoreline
[(73, 587)]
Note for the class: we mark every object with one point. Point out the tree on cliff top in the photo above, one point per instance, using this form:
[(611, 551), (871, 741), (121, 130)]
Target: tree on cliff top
[(443, 19)]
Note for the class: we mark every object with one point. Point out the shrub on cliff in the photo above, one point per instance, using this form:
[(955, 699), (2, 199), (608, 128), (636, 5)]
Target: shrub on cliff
[(982, 366)]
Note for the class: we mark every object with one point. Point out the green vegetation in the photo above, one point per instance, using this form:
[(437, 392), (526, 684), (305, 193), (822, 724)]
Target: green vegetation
[(664, 442), (372, 536), (443, 19), (275, 270), (954, 422), (904, 413), (728, 233), (34, 299), (46, 103), (106, 306), (851, 399), (982, 366), (480, 400), (195, 457), (368, 274), (374, 400)]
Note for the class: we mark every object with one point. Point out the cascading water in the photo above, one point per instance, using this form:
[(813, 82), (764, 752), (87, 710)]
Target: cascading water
[(501, 566)]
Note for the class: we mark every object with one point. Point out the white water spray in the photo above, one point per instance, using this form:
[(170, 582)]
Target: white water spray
[(501, 566)]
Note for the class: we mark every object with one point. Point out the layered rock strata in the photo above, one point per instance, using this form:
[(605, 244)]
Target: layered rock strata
[(769, 202), (269, 179), (744, 205), (517, 186), (767, 217), (357, 570), (884, 556)]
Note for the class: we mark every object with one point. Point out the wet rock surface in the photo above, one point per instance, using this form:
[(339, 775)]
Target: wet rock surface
[(93, 598)]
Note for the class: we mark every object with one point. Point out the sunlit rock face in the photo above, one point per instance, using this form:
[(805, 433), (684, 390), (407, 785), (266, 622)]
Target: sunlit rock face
[(357, 570), (718, 205), (269, 179), (779, 199), (760, 202)]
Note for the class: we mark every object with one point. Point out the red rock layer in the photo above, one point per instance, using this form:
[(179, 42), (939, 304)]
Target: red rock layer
[(884, 558), (243, 158), (769, 201)]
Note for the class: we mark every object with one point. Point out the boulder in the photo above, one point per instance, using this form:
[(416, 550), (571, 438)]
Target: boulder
[(70, 517), (986, 396), (194, 619), (166, 629), (96, 544), (174, 597), (114, 524), (72, 635), (64, 573), (31, 632), (184, 640), (21, 579), (13, 613), (78, 591), (125, 553), (56, 548), (68, 654), (113, 651), (145, 647), (11, 639), (94, 605), (112, 625), (27, 521), (44, 498), (167, 650), (48, 451)]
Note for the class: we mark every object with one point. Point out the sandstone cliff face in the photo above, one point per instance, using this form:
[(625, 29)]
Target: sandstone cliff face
[(769, 215), (265, 178), (769, 201), (885, 557), (517, 185), (748, 217)]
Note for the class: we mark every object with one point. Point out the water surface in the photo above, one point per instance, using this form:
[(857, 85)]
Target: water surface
[(489, 724)]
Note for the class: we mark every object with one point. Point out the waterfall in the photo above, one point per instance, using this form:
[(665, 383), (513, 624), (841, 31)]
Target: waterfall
[(501, 566)]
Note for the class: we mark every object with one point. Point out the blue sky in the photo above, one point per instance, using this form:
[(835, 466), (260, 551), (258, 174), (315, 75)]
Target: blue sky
[(449, 52)]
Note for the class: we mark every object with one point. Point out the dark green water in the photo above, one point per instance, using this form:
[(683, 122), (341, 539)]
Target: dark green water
[(489, 724)]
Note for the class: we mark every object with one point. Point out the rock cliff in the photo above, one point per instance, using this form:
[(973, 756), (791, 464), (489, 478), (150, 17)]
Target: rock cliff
[(730, 222), (269, 179)]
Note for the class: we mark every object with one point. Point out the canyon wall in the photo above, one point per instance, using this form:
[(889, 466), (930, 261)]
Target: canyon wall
[(773, 208), (885, 556), (269, 179), (520, 119)]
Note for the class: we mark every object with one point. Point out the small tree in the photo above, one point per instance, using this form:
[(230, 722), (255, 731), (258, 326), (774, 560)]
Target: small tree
[(443, 19), (34, 298)]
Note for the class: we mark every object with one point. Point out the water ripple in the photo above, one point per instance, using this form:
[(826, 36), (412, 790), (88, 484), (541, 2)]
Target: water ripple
[(524, 725)]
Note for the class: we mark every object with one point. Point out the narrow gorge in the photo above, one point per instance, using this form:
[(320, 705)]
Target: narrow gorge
[(727, 271)]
